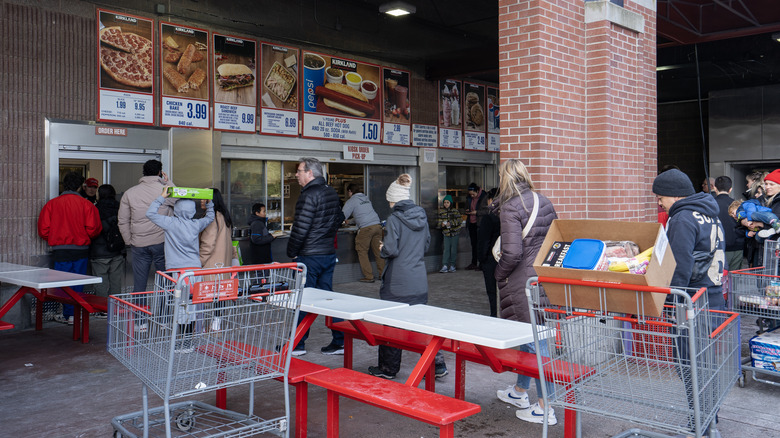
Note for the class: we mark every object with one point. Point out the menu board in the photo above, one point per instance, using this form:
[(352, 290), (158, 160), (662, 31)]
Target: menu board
[(235, 96), (125, 68), (279, 90), (396, 107), (474, 116), (450, 117), (184, 100), (341, 99), (493, 130)]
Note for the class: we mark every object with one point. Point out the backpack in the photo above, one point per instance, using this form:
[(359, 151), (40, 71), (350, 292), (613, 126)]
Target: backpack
[(114, 240)]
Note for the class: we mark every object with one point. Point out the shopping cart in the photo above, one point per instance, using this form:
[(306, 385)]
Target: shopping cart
[(755, 292), (668, 372), (202, 330)]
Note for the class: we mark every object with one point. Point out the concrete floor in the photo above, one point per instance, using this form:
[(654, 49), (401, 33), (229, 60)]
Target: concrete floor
[(52, 386)]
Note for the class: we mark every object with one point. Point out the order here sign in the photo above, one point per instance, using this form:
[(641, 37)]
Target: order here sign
[(358, 152)]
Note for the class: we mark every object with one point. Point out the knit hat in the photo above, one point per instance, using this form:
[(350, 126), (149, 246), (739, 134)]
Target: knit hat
[(447, 198), (400, 189), (673, 183), (774, 176), (474, 187)]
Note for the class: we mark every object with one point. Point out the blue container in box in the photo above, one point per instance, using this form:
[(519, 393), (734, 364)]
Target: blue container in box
[(586, 254)]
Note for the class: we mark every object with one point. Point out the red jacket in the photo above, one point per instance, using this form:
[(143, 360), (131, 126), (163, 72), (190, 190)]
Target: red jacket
[(70, 220)]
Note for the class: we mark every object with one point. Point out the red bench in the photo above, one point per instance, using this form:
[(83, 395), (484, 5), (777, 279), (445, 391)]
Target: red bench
[(409, 401), (299, 370), (80, 314), (6, 325), (508, 360)]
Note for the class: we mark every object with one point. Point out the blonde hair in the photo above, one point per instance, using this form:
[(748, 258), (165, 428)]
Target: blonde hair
[(514, 179), (733, 207)]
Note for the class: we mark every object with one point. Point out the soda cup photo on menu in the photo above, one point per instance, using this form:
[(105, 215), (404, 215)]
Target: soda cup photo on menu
[(313, 77)]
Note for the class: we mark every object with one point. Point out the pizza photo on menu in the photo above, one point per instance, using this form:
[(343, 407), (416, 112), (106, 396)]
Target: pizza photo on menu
[(125, 56)]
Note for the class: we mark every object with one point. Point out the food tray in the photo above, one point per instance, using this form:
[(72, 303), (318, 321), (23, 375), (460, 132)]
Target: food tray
[(280, 82)]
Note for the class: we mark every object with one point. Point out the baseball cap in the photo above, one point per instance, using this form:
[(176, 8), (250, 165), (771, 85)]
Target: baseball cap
[(92, 182)]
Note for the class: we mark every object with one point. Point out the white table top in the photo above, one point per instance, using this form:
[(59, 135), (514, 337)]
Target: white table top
[(341, 305), (453, 324), (13, 267), (45, 278)]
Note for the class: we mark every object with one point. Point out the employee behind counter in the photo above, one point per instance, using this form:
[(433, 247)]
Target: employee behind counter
[(369, 235)]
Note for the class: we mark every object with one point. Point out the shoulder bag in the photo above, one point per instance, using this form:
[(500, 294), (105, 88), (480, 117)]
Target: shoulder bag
[(497, 246)]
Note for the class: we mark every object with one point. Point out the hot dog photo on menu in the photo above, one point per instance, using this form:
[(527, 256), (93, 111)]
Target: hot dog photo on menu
[(340, 87), (184, 61), (234, 70), (125, 52)]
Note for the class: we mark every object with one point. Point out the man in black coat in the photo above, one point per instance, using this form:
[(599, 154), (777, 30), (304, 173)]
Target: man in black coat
[(475, 209), (318, 217), (735, 239)]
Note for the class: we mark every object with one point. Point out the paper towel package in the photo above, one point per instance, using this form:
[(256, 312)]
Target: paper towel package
[(765, 350)]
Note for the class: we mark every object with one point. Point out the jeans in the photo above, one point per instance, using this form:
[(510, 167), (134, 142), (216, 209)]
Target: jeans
[(473, 238), (143, 257), (450, 255), (525, 381), (112, 271), (765, 217), (77, 267), (319, 274)]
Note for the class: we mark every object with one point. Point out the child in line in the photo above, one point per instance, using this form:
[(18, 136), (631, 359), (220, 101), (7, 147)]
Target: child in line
[(749, 212), (260, 239), (450, 222), (182, 248)]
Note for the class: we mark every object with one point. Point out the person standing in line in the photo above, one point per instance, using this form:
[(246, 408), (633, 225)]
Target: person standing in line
[(216, 242), (405, 279), (89, 190), (318, 217), (259, 238), (144, 237), (450, 222), (68, 223), (369, 234), (106, 253), (489, 230), (515, 206), (696, 239), (475, 203), (735, 240), (708, 188)]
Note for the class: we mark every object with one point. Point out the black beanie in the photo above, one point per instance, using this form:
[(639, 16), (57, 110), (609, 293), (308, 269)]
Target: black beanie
[(673, 183)]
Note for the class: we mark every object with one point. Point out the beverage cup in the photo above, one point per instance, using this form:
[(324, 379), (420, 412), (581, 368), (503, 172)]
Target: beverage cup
[(313, 77)]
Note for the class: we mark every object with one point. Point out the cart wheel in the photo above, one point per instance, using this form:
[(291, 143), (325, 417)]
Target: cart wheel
[(185, 421), (741, 381)]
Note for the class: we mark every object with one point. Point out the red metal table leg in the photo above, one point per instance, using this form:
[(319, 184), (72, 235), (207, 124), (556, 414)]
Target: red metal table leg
[(333, 414), (301, 409)]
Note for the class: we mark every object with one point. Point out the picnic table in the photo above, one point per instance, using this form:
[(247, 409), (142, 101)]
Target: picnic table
[(49, 285)]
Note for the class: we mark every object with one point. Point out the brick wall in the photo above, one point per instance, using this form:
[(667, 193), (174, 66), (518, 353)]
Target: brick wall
[(578, 106)]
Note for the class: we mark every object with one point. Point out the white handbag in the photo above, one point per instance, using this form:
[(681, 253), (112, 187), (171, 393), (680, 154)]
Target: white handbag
[(497, 246)]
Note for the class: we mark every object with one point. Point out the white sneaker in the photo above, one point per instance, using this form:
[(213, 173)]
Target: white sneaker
[(515, 398), (444, 269), (769, 232), (534, 414)]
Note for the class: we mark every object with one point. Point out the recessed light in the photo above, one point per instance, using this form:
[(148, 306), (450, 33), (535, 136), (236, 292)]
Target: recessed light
[(397, 8)]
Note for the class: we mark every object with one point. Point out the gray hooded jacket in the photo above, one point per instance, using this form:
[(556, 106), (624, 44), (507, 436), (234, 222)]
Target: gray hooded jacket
[(407, 238), (181, 231)]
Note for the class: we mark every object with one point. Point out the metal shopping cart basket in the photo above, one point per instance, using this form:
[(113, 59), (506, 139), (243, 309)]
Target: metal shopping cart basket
[(755, 292), (668, 372), (202, 330)]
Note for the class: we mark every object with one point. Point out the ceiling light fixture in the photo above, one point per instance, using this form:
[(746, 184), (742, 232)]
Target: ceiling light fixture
[(776, 36), (397, 8)]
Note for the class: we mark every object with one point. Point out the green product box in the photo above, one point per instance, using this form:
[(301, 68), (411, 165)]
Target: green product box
[(190, 193)]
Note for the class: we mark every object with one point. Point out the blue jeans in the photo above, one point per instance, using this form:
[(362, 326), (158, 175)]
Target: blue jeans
[(143, 257), (77, 267), (319, 274), (525, 381), (766, 217), (450, 250)]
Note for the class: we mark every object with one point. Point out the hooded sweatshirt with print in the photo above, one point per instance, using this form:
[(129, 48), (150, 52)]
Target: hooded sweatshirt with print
[(181, 231), (696, 234)]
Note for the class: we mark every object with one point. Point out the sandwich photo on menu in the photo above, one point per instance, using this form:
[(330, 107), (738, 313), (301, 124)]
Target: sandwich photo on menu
[(232, 76)]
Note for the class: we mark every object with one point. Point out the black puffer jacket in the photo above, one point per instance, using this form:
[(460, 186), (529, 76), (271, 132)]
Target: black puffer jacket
[(318, 216), (517, 254)]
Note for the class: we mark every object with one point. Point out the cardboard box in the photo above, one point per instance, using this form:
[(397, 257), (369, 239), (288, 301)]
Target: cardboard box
[(765, 351), (190, 193), (645, 234)]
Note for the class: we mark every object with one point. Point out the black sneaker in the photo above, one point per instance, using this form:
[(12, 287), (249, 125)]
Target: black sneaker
[(332, 349), (440, 371), (100, 315), (376, 371)]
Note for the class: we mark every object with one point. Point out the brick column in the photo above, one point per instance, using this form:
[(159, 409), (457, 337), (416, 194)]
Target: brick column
[(578, 103)]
